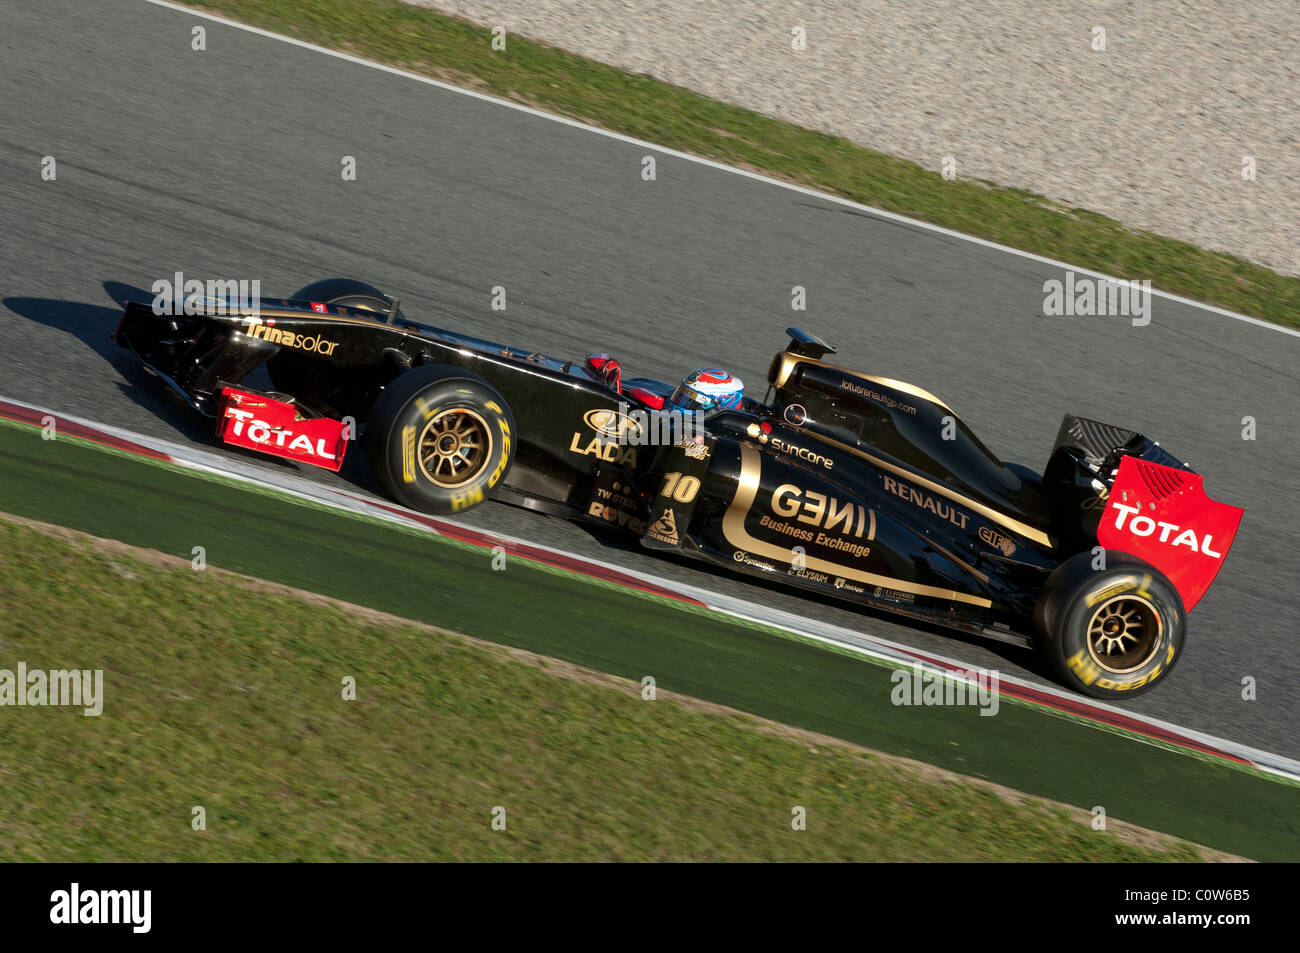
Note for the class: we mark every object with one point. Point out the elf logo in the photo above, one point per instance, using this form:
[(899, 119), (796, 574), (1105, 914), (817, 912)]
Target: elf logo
[(998, 540), (1146, 526), (76, 906)]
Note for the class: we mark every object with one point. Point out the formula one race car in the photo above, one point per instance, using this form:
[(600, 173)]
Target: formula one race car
[(854, 486)]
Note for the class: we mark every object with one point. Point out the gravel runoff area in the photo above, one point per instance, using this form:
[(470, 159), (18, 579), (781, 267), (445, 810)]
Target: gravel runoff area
[(1151, 131)]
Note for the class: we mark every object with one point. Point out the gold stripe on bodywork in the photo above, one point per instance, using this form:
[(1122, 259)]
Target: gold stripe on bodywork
[(279, 313), (788, 362), (733, 528), (988, 512)]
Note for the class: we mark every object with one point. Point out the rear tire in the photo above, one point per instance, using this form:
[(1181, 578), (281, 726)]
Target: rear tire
[(440, 439), (1110, 633)]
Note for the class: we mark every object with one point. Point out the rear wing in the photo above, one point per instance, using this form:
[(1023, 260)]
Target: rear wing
[(1101, 443), (1162, 515), (1130, 494)]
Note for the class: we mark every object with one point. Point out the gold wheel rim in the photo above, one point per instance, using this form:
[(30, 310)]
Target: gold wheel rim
[(1124, 633), (454, 447)]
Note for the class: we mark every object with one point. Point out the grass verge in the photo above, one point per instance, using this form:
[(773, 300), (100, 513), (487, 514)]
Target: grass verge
[(422, 41), (225, 693), (752, 668)]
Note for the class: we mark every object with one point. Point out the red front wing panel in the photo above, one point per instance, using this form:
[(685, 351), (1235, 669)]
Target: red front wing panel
[(257, 422), (1162, 515)]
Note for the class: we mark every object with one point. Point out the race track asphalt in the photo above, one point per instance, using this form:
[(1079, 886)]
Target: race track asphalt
[(226, 163)]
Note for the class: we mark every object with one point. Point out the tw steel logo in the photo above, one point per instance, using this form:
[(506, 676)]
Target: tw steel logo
[(1146, 526)]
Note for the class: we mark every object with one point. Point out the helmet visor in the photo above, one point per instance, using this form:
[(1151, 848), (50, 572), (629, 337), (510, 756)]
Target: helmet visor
[(688, 398)]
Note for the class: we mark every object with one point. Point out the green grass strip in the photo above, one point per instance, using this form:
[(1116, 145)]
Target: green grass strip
[(223, 696), (706, 656)]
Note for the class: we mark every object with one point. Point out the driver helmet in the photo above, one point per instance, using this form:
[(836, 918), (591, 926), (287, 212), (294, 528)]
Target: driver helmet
[(707, 390)]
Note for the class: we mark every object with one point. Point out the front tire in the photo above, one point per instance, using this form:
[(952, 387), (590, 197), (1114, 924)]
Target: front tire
[(289, 373), (348, 293), (440, 439), (1110, 633)]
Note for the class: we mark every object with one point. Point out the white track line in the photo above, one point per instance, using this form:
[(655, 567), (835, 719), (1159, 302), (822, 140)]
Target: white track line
[(713, 164), (194, 458)]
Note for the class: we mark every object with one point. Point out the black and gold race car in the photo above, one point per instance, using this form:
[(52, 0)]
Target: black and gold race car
[(855, 486)]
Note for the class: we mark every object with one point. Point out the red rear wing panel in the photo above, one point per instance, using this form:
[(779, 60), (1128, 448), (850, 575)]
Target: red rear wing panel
[(1162, 515)]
